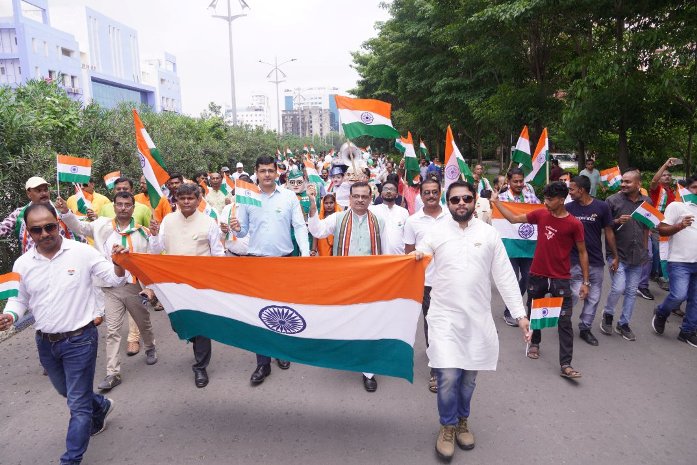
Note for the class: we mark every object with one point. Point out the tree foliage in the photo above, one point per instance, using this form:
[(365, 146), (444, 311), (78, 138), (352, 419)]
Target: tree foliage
[(38, 120), (613, 77)]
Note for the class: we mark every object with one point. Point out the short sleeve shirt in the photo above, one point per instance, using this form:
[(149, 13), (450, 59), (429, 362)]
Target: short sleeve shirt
[(594, 217), (682, 243), (555, 239)]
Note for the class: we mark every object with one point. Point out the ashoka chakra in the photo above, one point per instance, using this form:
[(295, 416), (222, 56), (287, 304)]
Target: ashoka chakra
[(367, 117), (282, 319)]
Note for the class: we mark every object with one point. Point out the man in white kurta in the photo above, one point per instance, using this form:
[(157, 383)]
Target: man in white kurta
[(394, 217), (467, 253)]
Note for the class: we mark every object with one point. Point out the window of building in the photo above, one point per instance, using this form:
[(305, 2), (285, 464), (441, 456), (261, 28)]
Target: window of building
[(75, 82), (45, 48), (37, 72), (33, 44), (2, 70), (32, 12), (66, 52), (52, 75)]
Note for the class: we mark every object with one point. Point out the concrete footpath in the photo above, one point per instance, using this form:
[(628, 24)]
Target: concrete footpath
[(635, 404)]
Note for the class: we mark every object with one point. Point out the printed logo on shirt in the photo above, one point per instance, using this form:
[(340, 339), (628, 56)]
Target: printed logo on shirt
[(550, 232), (71, 271), (591, 219)]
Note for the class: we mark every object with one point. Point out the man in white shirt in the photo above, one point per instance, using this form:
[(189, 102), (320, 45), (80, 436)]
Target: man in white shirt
[(56, 284), (679, 224), (239, 170), (356, 231), (187, 231), (467, 253), (394, 216), (415, 229), (107, 232), (215, 197)]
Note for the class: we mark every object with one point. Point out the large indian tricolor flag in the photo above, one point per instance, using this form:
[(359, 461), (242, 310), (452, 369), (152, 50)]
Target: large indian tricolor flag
[(343, 321), (151, 161), (538, 174), (519, 239), (9, 286), (365, 117), (544, 313), (454, 161), (74, 169), (611, 177), (647, 215)]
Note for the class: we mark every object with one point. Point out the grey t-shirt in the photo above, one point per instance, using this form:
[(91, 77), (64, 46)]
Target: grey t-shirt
[(595, 179), (630, 236)]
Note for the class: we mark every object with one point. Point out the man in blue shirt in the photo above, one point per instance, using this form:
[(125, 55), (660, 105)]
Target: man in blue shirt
[(269, 227)]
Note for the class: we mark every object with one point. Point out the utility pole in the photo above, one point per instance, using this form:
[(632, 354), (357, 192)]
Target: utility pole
[(275, 70)]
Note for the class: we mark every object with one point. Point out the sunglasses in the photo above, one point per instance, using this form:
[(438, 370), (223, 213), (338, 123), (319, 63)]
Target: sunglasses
[(456, 199), (49, 228)]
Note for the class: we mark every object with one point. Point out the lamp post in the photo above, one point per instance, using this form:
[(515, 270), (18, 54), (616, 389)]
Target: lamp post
[(275, 70), (230, 18)]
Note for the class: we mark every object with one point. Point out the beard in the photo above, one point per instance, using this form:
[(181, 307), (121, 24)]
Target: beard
[(462, 218)]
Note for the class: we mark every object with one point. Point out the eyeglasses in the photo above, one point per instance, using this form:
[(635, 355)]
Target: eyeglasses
[(123, 206), (298, 182), (430, 193), (49, 228), (456, 199), (360, 197)]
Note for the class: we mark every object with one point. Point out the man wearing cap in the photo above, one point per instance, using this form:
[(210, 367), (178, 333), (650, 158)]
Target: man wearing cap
[(239, 170), (95, 198), (37, 192)]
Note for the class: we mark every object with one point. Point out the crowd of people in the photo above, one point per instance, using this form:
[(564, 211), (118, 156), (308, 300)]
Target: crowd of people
[(323, 206)]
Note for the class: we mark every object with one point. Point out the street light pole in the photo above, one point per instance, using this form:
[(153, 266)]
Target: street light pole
[(230, 18), (275, 70)]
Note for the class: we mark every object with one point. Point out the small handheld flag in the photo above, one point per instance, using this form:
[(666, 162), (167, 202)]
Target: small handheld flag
[(611, 178), (110, 179), (545, 312), (647, 215), (74, 169)]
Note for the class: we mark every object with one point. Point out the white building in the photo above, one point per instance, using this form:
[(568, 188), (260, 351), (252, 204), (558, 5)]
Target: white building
[(257, 114)]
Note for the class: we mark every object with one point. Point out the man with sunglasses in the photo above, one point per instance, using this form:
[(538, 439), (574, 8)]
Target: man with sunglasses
[(467, 254), (37, 189), (558, 233), (357, 231), (56, 284), (95, 198), (122, 230), (415, 229)]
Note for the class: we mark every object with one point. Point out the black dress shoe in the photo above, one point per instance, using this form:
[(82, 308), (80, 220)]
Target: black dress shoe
[(587, 336), (260, 374), (370, 384), (200, 377), (283, 364)]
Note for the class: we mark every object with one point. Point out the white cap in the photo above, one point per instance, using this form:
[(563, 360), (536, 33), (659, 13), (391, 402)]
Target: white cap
[(34, 182), (239, 165)]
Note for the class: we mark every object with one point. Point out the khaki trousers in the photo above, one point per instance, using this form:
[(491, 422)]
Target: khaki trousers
[(119, 301)]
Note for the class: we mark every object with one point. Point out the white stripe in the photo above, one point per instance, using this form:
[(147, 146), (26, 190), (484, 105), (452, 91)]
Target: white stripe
[(523, 145), (148, 140), (391, 319), (150, 174), (354, 116), (648, 215), (508, 230), (9, 285), (552, 312), (79, 170)]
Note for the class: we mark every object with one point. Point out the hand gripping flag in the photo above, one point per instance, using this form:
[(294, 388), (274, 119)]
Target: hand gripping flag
[(343, 321)]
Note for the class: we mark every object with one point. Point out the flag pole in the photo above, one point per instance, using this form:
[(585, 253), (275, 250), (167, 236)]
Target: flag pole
[(58, 182)]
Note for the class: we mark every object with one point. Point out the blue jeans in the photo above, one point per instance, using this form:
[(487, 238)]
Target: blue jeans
[(521, 268), (647, 267), (590, 305), (455, 389), (683, 286), (70, 365), (624, 282)]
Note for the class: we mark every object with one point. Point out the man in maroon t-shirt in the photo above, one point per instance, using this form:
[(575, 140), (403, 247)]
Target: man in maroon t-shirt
[(557, 233)]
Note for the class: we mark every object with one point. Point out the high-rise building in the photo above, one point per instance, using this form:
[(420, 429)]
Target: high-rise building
[(256, 114), (319, 97), (98, 61), (307, 122), (30, 48)]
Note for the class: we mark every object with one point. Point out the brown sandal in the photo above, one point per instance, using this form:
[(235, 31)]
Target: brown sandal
[(567, 371), (533, 351)]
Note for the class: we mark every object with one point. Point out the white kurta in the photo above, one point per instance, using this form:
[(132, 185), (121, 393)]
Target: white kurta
[(461, 331)]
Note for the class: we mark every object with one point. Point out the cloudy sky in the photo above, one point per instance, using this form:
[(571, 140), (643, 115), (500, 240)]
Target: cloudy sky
[(319, 34)]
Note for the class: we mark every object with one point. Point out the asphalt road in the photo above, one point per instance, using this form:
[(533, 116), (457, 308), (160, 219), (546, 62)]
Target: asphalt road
[(635, 404)]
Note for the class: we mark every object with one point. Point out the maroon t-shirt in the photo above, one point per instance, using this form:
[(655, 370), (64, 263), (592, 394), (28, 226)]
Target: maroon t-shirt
[(555, 239)]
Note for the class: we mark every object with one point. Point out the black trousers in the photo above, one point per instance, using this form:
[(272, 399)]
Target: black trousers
[(425, 304), (538, 287), (202, 352)]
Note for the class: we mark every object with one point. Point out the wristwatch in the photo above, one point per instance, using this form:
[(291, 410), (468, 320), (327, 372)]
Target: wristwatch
[(586, 283), (520, 318)]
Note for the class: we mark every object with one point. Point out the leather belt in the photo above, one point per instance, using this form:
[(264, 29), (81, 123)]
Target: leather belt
[(57, 337)]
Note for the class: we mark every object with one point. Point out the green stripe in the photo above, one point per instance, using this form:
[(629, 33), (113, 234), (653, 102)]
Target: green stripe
[(391, 357), (70, 177), (519, 248), (523, 158), (643, 220), (155, 153), (544, 323), (244, 200), (357, 129), (9, 293), (153, 195), (540, 178), (465, 170)]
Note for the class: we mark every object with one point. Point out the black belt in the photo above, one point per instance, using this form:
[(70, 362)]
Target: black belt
[(56, 337)]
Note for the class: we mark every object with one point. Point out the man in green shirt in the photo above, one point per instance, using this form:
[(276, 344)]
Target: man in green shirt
[(141, 213)]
